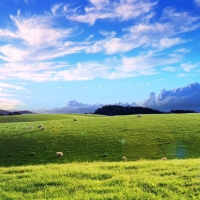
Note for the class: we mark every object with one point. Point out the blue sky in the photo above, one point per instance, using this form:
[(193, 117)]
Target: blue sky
[(95, 51)]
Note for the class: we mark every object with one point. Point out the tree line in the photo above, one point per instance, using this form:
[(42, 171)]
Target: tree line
[(111, 110)]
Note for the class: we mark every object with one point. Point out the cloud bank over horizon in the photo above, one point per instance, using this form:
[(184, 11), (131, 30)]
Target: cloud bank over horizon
[(184, 98)]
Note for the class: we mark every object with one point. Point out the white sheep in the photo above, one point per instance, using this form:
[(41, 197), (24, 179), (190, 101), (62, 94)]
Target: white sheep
[(43, 128), (139, 116), (59, 154), (15, 127), (75, 119), (164, 158), (40, 126), (30, 127), (124, 158), (24, 126)]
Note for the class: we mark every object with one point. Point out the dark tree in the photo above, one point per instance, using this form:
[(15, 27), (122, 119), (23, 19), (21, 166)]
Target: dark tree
[(111, 110)]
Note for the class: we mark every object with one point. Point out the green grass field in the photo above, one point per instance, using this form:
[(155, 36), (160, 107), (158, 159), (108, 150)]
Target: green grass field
[(97, 138), (140, 180), (92, 166)]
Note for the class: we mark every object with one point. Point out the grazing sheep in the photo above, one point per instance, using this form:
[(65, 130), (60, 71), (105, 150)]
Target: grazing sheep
[(40, 126), (139, 116), (75, 119), (43, 128), (124, 158), (15, 127), (164, 158), (24, 126), (59, 154), (30, 127)]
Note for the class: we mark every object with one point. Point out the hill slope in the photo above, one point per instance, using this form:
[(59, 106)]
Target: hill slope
[(97, 138)]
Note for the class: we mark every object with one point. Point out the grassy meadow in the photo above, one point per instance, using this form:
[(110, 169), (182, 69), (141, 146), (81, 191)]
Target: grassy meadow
[(140, 180), (92, 166), (97, 138)]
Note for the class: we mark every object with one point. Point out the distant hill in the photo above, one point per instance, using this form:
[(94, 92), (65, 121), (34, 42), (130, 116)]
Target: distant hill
[(26, 112), (182, 111), (6, 112), (111, 110)]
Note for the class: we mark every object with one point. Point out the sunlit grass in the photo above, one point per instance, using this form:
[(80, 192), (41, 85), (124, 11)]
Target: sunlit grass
[(174, 179)]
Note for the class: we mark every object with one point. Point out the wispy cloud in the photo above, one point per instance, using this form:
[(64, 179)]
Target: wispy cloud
[(170, 69), (105, 9), (30, 71), (181, 75), (7, 96), (143, 65), (159, 35), (33, 44), (11, 86), (35, 38), (197, 2), (189, 66), (118, 68), (9, 103), (38, 31), (13, 54), (85, 71), (182, 50), (167, 42), (26, 1)]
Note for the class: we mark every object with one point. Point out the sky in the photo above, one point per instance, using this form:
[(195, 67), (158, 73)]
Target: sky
[(96, 51)]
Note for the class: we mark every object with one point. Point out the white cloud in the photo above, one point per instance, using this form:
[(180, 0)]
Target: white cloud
[(9, 103), (85, 87), (142, 65), (26, 1), (100, 3), (185, 98), (12, 54), (137, 36), (4, 94), (188, 66), (56, 10), (181, 75), (84, 71), (117, 68), (36, 42), (168, 42), (160, 35), (30, 71), (37, 31), (7, 92), (170, 69), (60, 9), (11, 86), (197, 2), (181, 21), (170, 24), (117, 45), (182, 50), (35, 38), (106, 9), (73, 107)]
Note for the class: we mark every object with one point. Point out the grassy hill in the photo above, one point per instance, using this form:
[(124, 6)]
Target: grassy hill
[(97, 138)]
